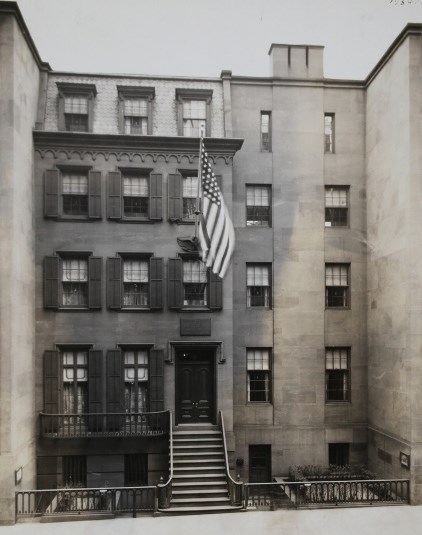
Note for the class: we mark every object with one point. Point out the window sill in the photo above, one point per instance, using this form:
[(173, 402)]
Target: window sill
[(136, 220), (75, 309), (195, 309), (132, 309), (338, 308), (258, 307), (259, 403), (337, 402), (74, 219)]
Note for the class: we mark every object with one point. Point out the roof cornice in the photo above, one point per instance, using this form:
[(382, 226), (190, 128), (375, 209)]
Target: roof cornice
[(12, 8)]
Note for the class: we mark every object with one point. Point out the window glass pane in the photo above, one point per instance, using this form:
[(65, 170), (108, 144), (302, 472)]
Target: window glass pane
[(258, 275), (135, 271), (257, 196), (336, 275), (135, 186), (190, 186), (194, 271), (336, 197), (265, 122), (129, 357), (136, 107), (258, 359), (77, 105), (194, 109), (336, 359), (75, 270), (129, 374), (75, 184), (143, 358)]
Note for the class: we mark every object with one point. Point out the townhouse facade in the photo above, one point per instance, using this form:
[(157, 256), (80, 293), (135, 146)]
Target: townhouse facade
[(309, 346)]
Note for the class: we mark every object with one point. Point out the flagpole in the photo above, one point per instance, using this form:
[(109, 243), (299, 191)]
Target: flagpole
[(197, 209)]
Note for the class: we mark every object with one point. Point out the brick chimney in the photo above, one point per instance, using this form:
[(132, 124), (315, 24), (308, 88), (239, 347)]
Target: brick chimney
[(296, 61)]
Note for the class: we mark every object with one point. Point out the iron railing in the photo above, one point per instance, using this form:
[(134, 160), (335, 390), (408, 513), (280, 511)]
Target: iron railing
[(165, 489), (326, 493), (77, 501), (235, 488), (89, 425)]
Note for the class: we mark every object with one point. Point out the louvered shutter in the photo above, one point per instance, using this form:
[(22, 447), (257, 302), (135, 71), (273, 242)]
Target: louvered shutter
[(94, 190), (114, 195), (95, 286), (114, 282), (51, 193), (156, 283), (175, 283), (156, 380), (216, 291), (95, 389), (51, 390), (156, 196), (115, 392), (51, 281), (175, 197)]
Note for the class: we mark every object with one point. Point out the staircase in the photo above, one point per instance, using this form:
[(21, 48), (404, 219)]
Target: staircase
[(199, 471)]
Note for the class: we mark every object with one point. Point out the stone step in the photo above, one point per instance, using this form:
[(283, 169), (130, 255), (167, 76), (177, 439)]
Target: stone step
[(200, 510), (203, 501), (204, 454), (199, 493), (191, 446), (195, 433), (202, 476), (178, 440), (202, 460)]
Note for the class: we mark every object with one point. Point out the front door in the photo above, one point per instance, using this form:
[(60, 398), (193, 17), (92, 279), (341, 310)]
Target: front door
[(195, 388)]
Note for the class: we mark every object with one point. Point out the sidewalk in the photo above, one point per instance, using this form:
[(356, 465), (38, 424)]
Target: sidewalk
[(392, 520)]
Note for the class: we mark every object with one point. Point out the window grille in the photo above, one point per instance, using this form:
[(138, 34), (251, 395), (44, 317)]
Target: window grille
[(136, 470), (74, 471)]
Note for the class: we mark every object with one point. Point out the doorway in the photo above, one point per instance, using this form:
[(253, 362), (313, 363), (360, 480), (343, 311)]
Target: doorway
[(195, 386)]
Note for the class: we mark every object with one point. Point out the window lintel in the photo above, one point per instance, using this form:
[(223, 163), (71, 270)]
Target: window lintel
[(67, 89), (194, 94), (129, 91)]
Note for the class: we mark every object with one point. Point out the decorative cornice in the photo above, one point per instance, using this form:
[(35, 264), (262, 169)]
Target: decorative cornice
[(71, 87), (145, 148)]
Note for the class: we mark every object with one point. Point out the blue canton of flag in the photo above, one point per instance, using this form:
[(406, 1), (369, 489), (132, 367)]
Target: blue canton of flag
[(216, 232)]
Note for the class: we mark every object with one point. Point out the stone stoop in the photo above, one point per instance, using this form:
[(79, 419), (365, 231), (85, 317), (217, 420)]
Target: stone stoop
[(199, 475)]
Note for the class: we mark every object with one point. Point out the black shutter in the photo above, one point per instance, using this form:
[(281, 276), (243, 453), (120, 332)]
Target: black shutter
[(175, 197), (216, 291), (114, 195), (114, 282), (51, 390), (95, 389), (51, 193), (94, 189), (155, 283), (156, 196), (115, 388), (156, 380), (51, 281), (175, 283), (95, 272)]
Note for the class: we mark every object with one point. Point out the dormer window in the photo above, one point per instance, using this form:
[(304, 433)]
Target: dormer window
[(76, 105), (194, 111), (135, 110)]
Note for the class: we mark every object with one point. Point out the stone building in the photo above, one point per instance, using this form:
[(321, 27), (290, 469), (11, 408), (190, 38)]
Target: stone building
[(310, 346)]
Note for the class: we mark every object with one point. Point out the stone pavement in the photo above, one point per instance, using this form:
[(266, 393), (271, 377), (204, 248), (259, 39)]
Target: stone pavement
[(392, 520)]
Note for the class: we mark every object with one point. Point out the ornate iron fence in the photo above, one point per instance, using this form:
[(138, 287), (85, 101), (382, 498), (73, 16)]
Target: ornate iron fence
[(92, 425)]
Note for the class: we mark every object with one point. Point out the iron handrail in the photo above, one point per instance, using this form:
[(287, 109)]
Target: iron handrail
[(165, 489), (235, 487)]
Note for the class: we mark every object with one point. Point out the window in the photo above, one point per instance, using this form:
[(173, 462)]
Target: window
[(136, 470), (75, 382), (336, 206), (195, 283), (72, 193), (258, 211), (136, 380), (329, 132), (265, 131), (259, 375), (258, 285), (337, 285), (260, 463), (338, 453), (135, 195), (194, 111), (135, 282), (74, 471), (337, 374), (135, 109), (72, 280), (189, 196), (76, 106)]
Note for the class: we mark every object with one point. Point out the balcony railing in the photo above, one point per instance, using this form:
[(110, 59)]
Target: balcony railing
[(326, 493), (90, 425), (77, 501)]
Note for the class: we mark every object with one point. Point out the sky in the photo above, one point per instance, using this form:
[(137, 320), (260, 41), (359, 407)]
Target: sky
[(203, 37)]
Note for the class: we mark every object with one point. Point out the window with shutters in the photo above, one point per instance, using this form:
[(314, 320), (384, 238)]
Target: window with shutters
[(337, 290), (189, 196), (76, 104), (195, 283), (259, 375), (135, 110), (134, 195), (258, 206), (134, 282), (72, 193), (135, 362), (75, 382), (329, 132), (265, 131), (337, 373), (336, 206), (258, 285), (194, 112), (72, 280)]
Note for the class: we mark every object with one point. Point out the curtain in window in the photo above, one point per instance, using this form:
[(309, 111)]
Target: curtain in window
[(257, 196), (136, 107), (135, 186), (336, 275), (258, 359), (75, 382), (135, 271), (336, 198), (194, 271), (76, 105), (75, 270), (336, 359), (194, 109), (258, 276), (190, 186), (136, 380), (75, 184)]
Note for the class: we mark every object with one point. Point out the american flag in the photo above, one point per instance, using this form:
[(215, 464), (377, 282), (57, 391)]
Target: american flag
[(216, 232)]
